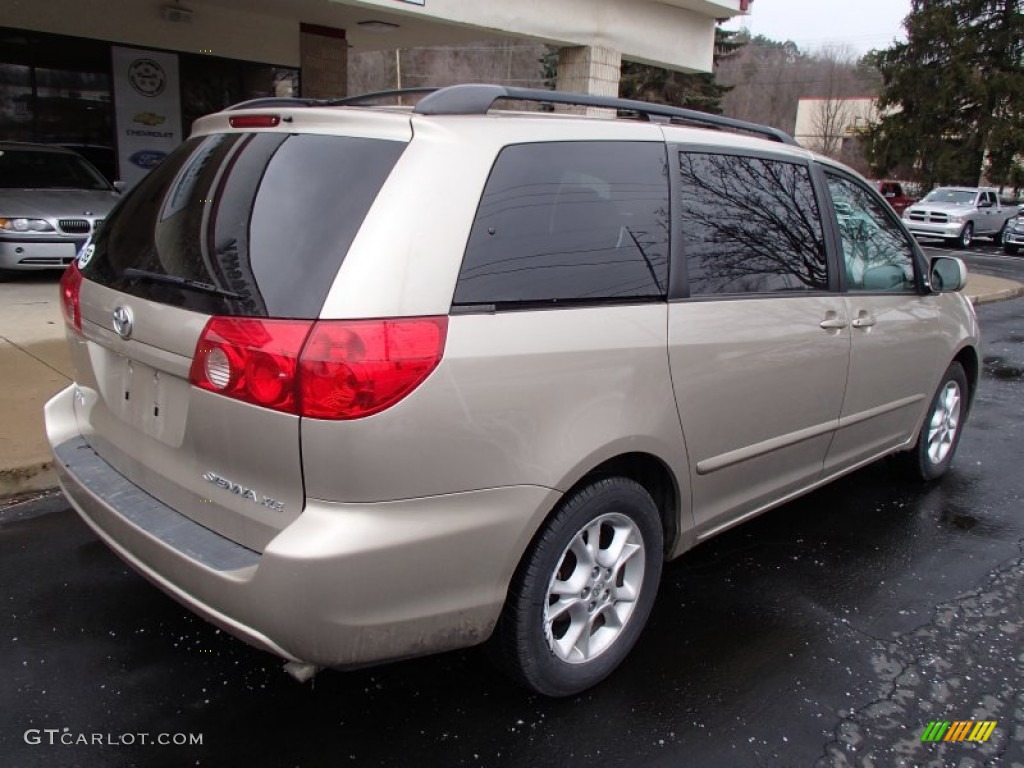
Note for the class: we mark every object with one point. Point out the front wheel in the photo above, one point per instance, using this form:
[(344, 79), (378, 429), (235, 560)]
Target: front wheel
[(936, 445), (583, 591), (1010, 249), (966, 236)]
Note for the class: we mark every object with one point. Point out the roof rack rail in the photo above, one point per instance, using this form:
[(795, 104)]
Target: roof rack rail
[(275, 101), (477, 99), (351, 101), (345, 101)]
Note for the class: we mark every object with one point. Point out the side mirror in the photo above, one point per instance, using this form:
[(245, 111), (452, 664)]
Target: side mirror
[(120, 186), (948, 274), (985, 204)]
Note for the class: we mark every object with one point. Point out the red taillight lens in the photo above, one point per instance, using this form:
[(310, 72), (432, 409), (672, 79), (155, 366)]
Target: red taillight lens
[(70, 288), (254, 121), (330, 369), (356, 368), (251, 359)]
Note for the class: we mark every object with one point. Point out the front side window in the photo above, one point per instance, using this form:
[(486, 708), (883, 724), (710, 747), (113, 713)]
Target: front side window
[(570, 222), (749, 226), (876, 254)]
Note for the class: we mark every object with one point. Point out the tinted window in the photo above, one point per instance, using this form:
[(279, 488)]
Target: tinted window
[(876, 253), (749, 225), (36, 169), (267, 217), (570, 222)]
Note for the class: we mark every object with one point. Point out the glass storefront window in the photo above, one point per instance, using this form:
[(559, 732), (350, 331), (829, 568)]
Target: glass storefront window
[(56, 89)]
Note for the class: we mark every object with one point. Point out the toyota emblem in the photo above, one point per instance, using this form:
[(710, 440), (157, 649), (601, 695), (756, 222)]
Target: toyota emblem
[(123, 322)]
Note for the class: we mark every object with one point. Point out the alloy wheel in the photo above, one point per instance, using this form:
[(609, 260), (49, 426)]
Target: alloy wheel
[(594, 589), (944, 423)]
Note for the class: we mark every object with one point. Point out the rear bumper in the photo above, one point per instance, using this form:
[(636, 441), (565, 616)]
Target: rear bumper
[(343, 585)]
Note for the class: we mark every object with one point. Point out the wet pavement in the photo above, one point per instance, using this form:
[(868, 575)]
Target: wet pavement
[(828, 632)]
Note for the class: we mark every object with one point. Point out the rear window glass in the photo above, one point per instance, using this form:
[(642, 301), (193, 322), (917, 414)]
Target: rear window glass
[(570, 222), (257, 223)]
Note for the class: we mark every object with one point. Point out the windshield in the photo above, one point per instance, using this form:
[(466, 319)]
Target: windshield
[(955, 196), (41, 169)]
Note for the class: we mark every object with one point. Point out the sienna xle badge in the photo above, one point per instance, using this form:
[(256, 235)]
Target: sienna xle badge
[(358, 383)]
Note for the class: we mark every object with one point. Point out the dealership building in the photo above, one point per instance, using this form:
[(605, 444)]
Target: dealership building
[(122, 80)]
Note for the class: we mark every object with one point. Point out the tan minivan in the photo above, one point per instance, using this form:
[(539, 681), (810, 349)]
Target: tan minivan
[(359, 383)]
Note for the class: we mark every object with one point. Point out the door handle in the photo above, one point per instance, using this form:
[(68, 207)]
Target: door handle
[(863, 320), (833, 323)]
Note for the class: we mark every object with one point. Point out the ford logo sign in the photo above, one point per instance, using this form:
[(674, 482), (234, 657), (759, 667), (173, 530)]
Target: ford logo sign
[(147, 158)]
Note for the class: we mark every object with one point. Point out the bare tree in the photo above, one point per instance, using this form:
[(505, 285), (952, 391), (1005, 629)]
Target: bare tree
[(769, 79), (833, 114)]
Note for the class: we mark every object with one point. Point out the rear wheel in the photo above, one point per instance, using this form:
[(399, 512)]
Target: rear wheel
[(583, 591), (936, 445)]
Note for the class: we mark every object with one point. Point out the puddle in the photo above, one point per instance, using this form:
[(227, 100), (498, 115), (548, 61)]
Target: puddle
[(997, 367)]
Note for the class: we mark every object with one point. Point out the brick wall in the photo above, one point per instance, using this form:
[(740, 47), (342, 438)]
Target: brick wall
[(323, 56)]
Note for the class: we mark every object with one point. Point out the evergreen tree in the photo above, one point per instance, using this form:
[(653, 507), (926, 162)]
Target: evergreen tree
[(952, 94), (694, 91)]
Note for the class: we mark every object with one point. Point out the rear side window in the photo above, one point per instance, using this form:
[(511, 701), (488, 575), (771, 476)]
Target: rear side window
[(570, 222), (261, 222), (750, 225)]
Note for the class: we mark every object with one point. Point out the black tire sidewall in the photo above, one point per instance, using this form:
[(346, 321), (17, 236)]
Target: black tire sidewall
[(537, 665), (928, 469)]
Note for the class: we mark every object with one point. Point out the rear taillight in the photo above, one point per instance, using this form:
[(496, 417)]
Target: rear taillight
[(70, 288), (254, 121), (328, 369), (355, 368), (251, 359)]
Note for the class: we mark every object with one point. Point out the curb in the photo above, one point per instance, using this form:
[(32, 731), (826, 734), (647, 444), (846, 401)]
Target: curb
[(1004, 295), (37, 476)]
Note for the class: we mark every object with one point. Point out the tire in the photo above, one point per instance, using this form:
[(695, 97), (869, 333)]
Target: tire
[(998, 238), (536, 641), (966, 237), (932, 455), (1010, 249)]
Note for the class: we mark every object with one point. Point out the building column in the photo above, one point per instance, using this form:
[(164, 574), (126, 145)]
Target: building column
[(323, 58), (589, 69)]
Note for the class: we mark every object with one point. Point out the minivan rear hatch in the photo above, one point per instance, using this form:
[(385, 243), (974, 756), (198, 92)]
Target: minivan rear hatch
[(248, 227)]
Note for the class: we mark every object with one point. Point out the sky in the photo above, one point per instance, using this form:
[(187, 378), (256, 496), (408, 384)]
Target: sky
[(811, 24)]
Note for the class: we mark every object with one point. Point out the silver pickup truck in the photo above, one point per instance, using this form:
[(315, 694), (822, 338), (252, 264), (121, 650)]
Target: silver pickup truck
[(959, 214)]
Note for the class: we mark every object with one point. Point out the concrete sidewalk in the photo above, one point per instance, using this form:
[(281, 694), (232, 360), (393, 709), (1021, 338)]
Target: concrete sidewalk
[(34, 365)]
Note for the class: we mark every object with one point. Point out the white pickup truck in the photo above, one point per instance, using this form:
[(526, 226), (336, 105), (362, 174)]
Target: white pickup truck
[(959, 214)]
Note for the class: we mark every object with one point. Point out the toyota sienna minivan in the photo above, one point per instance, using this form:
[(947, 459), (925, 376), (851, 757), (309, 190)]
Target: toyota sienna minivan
[(358, 383)]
